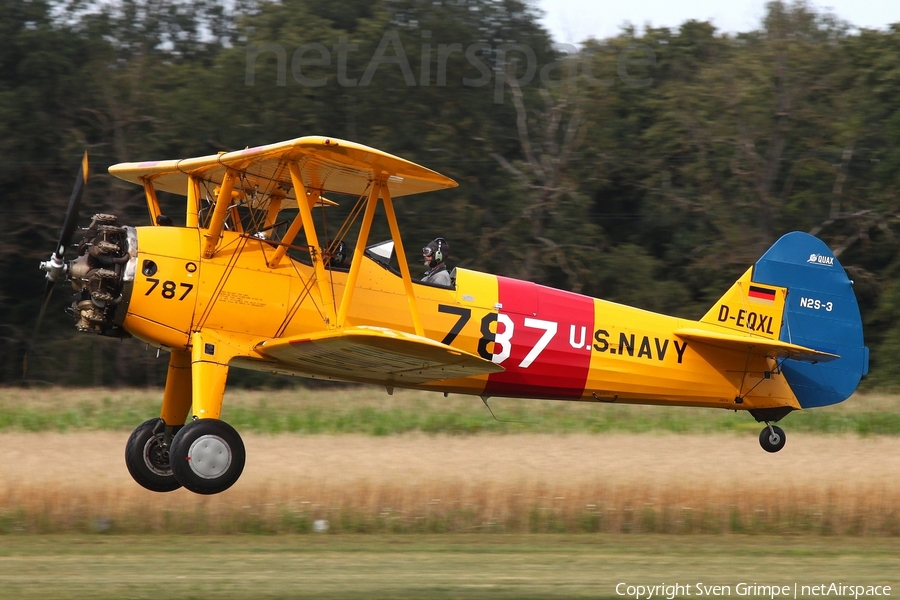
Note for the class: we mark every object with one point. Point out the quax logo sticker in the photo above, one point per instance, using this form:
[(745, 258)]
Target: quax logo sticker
[(818, 259)]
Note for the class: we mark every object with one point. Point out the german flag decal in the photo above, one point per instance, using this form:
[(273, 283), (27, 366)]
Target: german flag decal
[(761, 294)]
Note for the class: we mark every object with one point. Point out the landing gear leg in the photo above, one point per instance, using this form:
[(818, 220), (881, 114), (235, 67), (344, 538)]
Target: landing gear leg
[(208, 454), (178, 394), (147, 450), (772, 438)]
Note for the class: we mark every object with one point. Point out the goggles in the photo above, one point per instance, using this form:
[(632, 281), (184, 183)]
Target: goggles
[(427, 251)]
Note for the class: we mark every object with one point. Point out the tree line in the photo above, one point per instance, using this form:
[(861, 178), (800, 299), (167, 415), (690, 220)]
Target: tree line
[(650, 168)]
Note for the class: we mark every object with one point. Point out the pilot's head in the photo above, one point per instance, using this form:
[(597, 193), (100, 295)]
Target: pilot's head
[(435, 252), (340, 255)]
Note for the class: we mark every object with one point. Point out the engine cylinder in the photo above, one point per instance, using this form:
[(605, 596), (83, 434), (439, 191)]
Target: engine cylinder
[(97, 276)]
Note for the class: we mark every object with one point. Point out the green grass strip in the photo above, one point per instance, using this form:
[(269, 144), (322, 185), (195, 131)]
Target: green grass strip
[(461, 567), (370, 411)]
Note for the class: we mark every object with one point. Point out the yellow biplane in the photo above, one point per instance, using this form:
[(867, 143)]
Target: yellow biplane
[(247, 284)]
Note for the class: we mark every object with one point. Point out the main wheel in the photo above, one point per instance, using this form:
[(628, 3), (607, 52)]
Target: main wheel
[(147, 457), (207, 456), (772, 441)]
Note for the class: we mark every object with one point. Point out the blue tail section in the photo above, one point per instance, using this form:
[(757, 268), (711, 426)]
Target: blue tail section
[(821, 313)]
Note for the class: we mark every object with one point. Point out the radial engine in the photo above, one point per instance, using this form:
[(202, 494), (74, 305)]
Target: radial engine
[(101, 276)]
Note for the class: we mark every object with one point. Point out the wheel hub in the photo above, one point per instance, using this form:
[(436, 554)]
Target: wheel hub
[(156, 456), (209, 456)]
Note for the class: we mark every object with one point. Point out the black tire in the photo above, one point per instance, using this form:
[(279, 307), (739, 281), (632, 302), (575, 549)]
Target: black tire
[(147, 460), (207, 456), (772, 441)]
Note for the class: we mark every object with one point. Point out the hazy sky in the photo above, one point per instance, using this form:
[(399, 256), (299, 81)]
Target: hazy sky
[(572, 21)]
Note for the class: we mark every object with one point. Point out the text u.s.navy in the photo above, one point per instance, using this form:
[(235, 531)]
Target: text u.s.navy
[(627, 345)]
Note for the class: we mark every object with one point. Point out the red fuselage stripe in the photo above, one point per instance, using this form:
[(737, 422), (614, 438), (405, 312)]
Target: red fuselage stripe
[(559, 324)]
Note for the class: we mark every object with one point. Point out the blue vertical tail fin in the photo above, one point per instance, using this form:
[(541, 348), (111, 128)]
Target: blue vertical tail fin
[(820, 312)]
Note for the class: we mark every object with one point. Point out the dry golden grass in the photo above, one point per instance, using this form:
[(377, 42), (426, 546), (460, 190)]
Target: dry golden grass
[(494, 483)]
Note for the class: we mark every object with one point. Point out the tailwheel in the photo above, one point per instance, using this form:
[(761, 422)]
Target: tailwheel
[(207, 456), (147, 457), (771, 438)]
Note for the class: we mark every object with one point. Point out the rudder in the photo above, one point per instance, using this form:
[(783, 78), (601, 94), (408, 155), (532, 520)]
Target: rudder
[(820, 312)]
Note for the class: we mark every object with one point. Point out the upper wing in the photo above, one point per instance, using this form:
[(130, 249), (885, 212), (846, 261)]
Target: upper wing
[(326, 164), (756, 345), (375, 355)]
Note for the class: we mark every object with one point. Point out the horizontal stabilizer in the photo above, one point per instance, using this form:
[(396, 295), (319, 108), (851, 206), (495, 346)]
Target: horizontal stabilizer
[(756, 345), (375, 355)]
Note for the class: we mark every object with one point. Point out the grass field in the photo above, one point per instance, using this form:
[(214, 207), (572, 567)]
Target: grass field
[(417, 483), (422, 497), (425, 567), (369, 410)]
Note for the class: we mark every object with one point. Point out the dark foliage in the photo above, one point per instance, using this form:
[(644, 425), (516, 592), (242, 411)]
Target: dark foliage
[(648, 168)]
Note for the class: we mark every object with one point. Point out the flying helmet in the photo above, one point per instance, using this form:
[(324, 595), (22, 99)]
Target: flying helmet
[(438, 249), (339, 254)]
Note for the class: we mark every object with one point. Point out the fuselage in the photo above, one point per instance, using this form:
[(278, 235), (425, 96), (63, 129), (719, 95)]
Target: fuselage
[(552, 344)]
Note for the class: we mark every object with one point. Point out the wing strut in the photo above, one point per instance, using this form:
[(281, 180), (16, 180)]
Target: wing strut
[(312, 239), (401, 258), (152, 201), (192, 210), (286, 241), (217, 223), (355, 266), (380, 188)]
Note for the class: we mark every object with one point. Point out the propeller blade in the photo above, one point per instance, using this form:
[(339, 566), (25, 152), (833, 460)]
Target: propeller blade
[(65, 237), (56, 267), (48, 292)]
